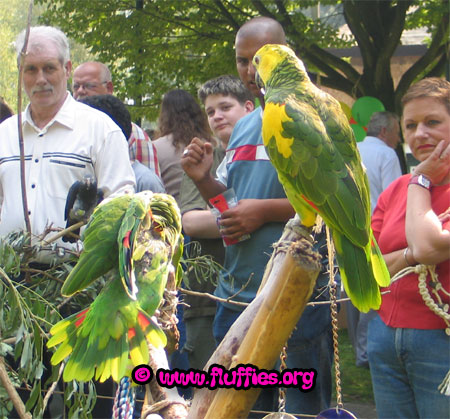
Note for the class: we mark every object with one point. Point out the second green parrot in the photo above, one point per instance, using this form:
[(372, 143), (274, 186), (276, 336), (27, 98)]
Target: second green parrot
[(313, 149), (137, 239)]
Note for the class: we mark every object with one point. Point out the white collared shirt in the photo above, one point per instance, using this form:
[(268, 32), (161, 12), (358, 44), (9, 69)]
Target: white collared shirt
[(78, 141), (382, 166)]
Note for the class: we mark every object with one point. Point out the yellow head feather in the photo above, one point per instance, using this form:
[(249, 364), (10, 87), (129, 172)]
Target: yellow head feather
[(268, 57)]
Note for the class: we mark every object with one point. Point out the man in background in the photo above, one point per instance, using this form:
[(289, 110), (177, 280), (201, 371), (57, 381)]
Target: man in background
[(262, 212), (382, 167), (146, 179), (94, 78), (378, 155)]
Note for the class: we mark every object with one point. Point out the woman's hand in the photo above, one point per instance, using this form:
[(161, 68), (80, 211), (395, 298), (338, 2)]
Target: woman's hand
[(436, 166), (445, 216)]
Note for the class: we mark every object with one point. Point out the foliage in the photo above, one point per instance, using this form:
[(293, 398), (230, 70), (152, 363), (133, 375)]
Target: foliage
[(28, 309), (203, 267), (155, 46), (13, 17)]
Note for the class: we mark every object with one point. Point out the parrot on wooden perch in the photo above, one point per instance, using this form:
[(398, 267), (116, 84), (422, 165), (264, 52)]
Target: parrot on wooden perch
[(138, 239), (312, 147)]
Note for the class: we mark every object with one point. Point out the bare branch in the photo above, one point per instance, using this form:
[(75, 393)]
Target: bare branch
[(437, 46), (19, 122), (227, 15), (12, 393), (52, 388)]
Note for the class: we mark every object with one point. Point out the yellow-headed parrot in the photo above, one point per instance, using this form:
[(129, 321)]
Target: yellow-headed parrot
[(138, 239), (312, 147)]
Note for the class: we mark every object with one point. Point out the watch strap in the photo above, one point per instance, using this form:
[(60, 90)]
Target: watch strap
[(420, 180)]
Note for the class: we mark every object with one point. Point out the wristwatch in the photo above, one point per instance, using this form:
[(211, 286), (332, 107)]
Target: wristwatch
[(420, 180)]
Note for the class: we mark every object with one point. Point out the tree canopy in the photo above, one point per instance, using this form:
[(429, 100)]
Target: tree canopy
[(13, 16), (153, 46)]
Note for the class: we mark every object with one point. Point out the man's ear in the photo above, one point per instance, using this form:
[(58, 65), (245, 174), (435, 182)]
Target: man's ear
[(110, 87), (249, 106), (382, 133), (68, 69)]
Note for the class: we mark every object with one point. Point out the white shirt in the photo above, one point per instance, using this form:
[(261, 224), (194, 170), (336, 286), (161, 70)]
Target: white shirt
[(382, 166), (79, 140)]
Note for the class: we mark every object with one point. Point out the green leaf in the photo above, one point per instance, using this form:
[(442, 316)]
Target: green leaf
[(26, 353), (5, 349), (39, 370), (37, 340), (35, 393)]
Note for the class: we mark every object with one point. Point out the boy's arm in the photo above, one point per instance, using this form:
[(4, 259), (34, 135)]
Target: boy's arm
[(200, 224), (250, 214)]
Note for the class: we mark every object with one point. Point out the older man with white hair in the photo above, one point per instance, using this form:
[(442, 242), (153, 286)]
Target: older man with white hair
[(94, 78), (64, 141)]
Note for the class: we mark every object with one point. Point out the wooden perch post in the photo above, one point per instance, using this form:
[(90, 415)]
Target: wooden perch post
[(159, 400), (261, 331)]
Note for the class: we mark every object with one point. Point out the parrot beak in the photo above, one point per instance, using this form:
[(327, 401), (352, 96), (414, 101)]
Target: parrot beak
[(260, 83)]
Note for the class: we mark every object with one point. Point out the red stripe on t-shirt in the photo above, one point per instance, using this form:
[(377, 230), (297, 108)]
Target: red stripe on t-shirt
[(246, 152)]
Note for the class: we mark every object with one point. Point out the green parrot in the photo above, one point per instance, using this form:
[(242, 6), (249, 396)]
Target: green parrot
[(312, 147), (138, 239)]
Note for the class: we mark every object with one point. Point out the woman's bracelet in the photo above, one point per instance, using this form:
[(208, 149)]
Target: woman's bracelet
[(405, 256)]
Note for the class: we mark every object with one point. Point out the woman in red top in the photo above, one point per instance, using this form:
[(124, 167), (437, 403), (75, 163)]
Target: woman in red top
[(408, 348)]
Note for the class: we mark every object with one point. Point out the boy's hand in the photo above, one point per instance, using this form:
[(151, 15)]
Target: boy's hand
[(244, 218), (197, 159)]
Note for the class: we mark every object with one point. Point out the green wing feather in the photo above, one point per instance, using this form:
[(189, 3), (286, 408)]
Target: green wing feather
[(126, 241), (99, 245)]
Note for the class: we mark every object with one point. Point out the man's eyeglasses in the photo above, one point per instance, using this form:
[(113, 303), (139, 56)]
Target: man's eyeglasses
[(87, 86)]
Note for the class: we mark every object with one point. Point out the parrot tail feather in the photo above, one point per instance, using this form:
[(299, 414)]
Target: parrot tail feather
[(103, 355), (146, 331), (358, 274), (65, 333), (380, 269)]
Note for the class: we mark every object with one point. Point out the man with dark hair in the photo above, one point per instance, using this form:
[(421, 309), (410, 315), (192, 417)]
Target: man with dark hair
[(146, 180), (262, 212)]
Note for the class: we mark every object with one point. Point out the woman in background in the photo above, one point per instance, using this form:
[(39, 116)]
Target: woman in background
[(408, 348), (180, 120)]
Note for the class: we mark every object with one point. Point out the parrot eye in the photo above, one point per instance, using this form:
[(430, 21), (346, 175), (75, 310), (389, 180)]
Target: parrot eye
[(257, 60)]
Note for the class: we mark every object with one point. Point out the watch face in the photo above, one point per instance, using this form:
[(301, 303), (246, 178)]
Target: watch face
[(423, 181)]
